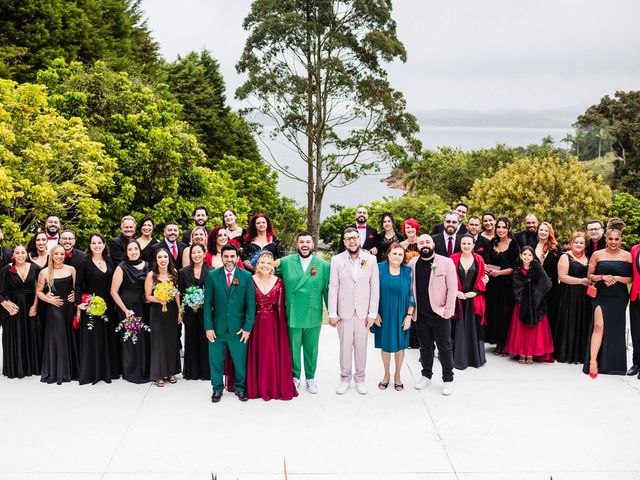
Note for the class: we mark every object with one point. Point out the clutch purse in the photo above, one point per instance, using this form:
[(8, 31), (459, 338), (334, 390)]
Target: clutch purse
[(592, 291), (76, 322)]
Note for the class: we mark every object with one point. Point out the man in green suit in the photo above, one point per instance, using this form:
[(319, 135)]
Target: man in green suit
[(306, 283), (229, 311)]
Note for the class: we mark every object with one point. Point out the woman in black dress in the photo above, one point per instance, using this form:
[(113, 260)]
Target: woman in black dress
[(196, 345), (611, 270), (146, 240), (573, 308), (260, 236), (387, 236), (234, 232), (466, 328), (488, 225), (37, 250), (165, 356), (548, 253), (55, 290), (127, 290), (499, 296), (98, 343), (21, 336)]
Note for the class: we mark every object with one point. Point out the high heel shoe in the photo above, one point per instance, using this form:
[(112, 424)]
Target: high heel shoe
[(593, 372)]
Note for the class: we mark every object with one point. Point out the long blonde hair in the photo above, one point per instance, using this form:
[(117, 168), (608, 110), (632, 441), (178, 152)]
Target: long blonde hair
[(50, 278)]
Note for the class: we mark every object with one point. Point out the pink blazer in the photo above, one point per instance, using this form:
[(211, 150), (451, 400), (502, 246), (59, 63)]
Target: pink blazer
[(349, 296), (443, 285)]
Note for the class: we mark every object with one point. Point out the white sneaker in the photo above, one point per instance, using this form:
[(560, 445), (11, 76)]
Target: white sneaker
[(361, 388), (423, 382), (312, 386), (296, 383), (342, 388), (447, 388)]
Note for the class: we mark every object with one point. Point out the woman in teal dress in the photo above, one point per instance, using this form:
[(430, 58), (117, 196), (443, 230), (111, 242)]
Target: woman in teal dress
[(395, 309)]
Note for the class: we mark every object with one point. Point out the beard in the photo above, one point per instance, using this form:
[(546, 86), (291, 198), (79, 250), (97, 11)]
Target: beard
[(426, 253), (450, 230), (361, 220), (305, 255), (51, 231)]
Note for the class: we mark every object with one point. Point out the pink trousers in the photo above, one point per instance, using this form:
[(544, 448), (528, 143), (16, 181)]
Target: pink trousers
[(353, 335)]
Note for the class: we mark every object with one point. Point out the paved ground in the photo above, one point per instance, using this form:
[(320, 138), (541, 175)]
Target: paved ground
[(504, 421)]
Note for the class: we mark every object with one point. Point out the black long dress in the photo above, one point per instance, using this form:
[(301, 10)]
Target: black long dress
[(59, 357), (196, 345), (135, 358), (572, 316), (21, 335), (613, 300), (97, 346), (466, 332), (499, 296), (165, 355)]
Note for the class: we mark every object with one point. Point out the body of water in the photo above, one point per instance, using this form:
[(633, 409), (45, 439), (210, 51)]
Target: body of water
[(372, 187)]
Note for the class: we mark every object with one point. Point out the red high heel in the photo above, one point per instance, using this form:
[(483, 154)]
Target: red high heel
[(593, 373)]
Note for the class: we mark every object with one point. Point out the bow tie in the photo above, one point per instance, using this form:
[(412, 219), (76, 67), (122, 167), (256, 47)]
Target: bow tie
[(362, 226), (68, 255), (52, 238)]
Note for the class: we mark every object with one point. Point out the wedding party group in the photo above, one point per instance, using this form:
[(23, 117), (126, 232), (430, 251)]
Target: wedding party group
[(226, 305)]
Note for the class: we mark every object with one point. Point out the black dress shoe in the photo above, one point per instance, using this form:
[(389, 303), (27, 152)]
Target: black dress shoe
[(242, 396), (634, 370), (216, 396)]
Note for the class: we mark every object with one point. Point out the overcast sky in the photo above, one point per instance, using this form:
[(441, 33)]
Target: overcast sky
[(462, 54)]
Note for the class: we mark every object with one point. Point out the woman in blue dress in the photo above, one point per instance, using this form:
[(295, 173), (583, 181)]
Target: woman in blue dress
[(395, 309)]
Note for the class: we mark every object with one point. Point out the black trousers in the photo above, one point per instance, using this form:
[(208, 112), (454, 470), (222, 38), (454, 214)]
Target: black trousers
[(634, 320), (436, 330)]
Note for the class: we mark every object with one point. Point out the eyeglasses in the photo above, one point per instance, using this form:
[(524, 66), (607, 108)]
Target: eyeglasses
[(593, 229), (454, 222), (351, 239)]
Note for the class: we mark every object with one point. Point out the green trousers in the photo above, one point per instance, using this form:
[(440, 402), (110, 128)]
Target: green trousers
[(305, 339), (217, 353)]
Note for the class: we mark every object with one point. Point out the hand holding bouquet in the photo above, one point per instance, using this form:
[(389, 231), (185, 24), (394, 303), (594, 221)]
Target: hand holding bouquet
[(132, 327), (193, 298), (165, 292)]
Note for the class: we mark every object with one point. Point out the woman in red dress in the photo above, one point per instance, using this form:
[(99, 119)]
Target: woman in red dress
[(269, 370), (529, 334)]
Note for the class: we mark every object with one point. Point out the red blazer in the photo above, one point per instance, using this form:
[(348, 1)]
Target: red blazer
[(479, 305), (635, 284)]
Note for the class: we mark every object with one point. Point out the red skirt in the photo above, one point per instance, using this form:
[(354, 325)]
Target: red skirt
[(533, 341)]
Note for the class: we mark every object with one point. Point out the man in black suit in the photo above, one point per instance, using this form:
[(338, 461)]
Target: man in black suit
[(200, 218), (447, 243), (461, 210), (529, 236), (72, 256), (170, 243), (595, 231), (482, 245), (5, 253), (118, 246), (367, 233)]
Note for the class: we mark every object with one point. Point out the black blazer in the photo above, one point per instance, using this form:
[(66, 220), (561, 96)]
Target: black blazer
[(117, 249), (163, 244), (75, 259), (525, 238), (369, 242), (441, 244), (439, 228), (5, 256), (482, 247), (600, 245)]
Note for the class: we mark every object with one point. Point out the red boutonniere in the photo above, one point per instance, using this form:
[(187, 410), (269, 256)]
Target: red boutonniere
[(236, 281), (371, 236), (13, 270), (313, 270)]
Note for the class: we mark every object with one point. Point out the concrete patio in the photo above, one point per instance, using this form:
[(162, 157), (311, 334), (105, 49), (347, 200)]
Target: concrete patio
[(503, 421)]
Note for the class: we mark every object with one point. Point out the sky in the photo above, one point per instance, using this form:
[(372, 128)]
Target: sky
[(479, 55)]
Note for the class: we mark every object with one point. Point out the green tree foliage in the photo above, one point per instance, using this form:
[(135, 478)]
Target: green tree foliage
[(560, 191), (627, 207), (427, 209), (622, 116), (316, 70), (198, 85), (35, 32), (48, 164), (590, 142)]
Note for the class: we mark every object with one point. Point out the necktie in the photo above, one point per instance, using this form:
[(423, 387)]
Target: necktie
[(450, 247), (228, 279), (174, 251), (595, 245)]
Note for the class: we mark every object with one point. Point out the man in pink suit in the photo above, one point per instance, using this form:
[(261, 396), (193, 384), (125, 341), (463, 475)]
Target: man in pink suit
[(353, 306), (435, 284)]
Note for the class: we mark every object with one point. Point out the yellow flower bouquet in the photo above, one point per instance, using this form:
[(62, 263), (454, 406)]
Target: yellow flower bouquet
[(166, 292)]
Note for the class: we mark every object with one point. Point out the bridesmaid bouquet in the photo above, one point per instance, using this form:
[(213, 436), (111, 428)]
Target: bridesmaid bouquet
[(132, 327), (166, 292), (96, 307), (193, 297)]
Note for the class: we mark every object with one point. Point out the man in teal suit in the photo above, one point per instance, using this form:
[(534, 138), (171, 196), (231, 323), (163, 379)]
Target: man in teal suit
[(229, 311), (306, 283)]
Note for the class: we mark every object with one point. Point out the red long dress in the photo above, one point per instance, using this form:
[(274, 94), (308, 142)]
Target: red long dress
[(269, 370)]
